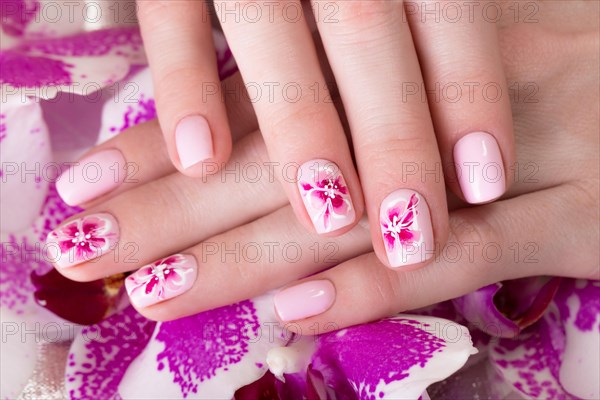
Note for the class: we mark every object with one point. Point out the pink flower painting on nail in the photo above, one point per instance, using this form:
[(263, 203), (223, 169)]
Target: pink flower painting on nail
[(325, 196), (398, 229), (161, 280), (406, 228), (84, 239)]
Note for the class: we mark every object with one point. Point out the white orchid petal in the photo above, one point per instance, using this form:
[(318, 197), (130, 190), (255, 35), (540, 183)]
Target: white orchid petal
[(25, 154), (101, 353), (132, 103), (580, 311), (206, 356), (397, 357)]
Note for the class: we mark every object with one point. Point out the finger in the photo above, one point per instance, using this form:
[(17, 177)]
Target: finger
[(468, 97), (126, 231), (297, 118), (138, 155), (178, 40), (394, 141), (487, 244), (239, 264)]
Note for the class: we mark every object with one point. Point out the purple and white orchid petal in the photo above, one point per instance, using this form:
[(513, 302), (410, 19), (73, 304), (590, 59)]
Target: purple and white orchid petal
[(32, 19), (132, 104), (81, 64), (530, 363), (25, 325), (49, 74), (24, 252), (25, 155), (479, 309), (503, 309), (101, 353), (124, 42), (208, 355), (397, 357), (578, 302)]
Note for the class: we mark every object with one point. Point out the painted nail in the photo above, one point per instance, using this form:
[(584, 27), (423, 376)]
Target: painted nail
[(479, 167), (82, 240), (406, 228), (161, 280), (193, 140), (92, 176), (325, 195), (304, 300)]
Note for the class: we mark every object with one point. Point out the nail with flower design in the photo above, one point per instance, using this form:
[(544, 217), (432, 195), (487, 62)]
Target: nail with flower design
[(406, 228), (325, 195), (82, 240), (162, 280)]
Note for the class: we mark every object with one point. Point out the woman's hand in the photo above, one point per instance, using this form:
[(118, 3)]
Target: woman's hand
[(547, 225), (369, 46)]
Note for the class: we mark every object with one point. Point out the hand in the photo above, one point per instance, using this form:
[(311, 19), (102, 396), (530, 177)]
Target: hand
[(369, 44), (557, 213)]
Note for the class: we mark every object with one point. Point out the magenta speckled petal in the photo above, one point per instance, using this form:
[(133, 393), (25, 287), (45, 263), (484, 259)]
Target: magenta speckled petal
[(393, 358), (101, 353), (208, 355)]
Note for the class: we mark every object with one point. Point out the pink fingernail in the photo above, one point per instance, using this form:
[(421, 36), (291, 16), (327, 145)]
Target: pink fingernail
[(82, 240), (91, 177), (406, 228), (304, 300), (193, 140), (161, 280), (479, 167), (325, 195)]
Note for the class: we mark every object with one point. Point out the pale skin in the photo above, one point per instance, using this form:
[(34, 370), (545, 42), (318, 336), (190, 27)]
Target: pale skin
[(555, 210)]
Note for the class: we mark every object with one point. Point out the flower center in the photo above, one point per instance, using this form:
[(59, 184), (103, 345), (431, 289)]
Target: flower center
[(331, 188), (161, 271), (395, 225), (81, 239)]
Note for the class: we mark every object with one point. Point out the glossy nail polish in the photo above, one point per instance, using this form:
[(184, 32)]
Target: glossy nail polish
[(82, 240), (304, 300), (193, 140), (325, 195), (406, 228), (91, 177), (479, 167), (161, 280)]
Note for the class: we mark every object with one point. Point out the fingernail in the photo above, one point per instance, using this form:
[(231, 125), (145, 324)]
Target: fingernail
[(82, 240), (304, 300), (479, 167), (161, 280), (92, 176), (406, 228), (193, 140), (325, 195)]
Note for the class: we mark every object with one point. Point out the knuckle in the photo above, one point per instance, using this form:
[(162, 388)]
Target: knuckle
[(152, 13), (364, 26), (471, 232), (285, 118), (386, 291), (356, 17)]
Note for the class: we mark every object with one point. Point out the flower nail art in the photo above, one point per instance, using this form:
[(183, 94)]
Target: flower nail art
[(161, 280), (406, 228), (82, 240), (325, 195)]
